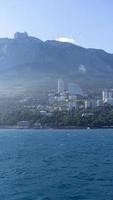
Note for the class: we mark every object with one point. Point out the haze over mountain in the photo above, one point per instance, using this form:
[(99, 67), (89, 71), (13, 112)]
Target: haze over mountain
[(28, 63)]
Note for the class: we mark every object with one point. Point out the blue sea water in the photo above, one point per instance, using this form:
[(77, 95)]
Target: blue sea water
[(56, 164)]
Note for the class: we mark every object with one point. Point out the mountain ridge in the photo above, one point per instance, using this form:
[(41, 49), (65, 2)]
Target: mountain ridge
[(28, 58)]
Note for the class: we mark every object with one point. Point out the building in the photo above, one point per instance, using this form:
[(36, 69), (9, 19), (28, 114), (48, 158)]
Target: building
[(110, 94), (23, 124), (72, 97), (37, 125), (45, 113), (72, 105), (61, 98), (105, 95), (60, 86), (74, 89), (90, 104), (87, 114), (51, 98), (99, 103), (87, 104)]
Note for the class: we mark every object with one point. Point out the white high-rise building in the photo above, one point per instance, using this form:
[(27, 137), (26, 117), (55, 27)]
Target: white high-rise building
[(60, 86), (105, 95)]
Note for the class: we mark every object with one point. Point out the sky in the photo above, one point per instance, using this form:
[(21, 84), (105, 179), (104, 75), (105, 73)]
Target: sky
[(87, 23)]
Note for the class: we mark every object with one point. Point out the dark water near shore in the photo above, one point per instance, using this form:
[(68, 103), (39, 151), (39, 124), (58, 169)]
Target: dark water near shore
[(56, 165)]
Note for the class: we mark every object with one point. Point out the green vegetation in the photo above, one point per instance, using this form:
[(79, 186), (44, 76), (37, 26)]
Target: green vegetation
[(99, 117)]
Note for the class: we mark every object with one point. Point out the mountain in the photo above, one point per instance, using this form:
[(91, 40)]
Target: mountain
[(28, 63)]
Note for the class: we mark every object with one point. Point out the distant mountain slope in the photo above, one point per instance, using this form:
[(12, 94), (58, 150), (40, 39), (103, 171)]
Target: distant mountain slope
[(28, 61)]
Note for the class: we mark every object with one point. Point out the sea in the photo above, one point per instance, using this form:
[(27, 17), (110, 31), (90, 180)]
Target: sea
[(56, 164)]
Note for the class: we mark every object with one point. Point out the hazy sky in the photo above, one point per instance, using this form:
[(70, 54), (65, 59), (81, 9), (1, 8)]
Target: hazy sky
[(87, 22)]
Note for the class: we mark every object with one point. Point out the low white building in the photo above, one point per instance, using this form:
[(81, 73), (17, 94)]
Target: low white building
[(99, 103), (110, 101), (51, 98), (23, 124), (107, 96), (45, 113), (61, 98), (72, 105), (90, 104)]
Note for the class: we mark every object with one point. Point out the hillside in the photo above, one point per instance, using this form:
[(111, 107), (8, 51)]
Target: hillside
[(27, 63)]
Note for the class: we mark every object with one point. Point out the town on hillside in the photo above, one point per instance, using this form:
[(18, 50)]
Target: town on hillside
[(68, 106)]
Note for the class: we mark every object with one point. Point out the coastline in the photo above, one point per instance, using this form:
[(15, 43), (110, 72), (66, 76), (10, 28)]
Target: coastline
[(55, 128)]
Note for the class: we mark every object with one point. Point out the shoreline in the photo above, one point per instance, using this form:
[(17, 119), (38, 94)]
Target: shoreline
[(56, 128)]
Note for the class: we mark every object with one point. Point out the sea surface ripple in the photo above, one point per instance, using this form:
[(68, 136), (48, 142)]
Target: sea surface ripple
[(56, 164)]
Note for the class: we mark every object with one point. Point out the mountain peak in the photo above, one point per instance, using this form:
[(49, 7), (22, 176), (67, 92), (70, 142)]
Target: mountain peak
[(19, 35), (31, 60)]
